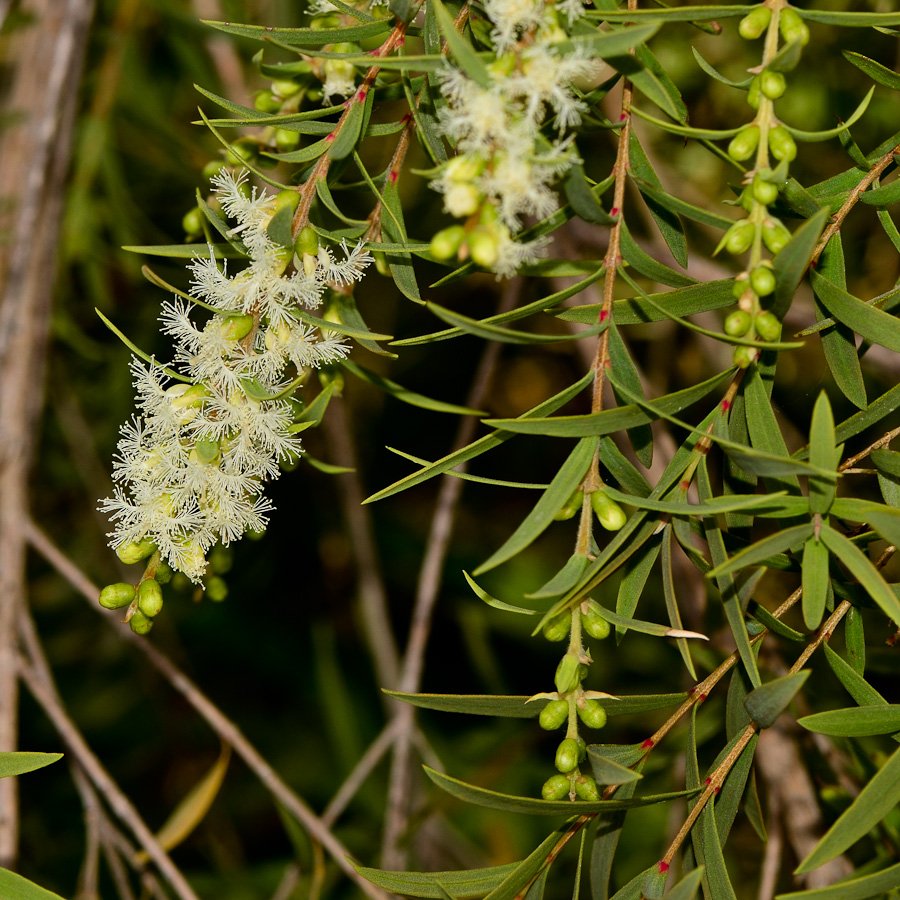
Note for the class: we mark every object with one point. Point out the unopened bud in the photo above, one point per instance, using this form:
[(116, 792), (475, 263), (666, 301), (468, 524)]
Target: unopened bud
[(150, 597), (568, 673), (744, 356), (738, 323), (557, 629), (792, 27), (567, 755), (767, 326), (265, 101), (762, 279), (591, 713), (772, 84), (556, 787), (236, 328), (571, 508), (553, 715), (446, 243), (755, 23), (483, 246), (216, 589), (135, 551), (286, 88), (609, 514), (782, 146), (306, 242), (775, 236), (586, 788), (743, 145), (286, 141), (140, 624), (593, 622), (739, 237), (287, 197), (192, 222), (764, 191), (115, 596)]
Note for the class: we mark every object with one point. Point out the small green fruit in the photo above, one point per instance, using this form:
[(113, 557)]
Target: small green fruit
[(738, 323), (609, 514), (135, 551), (767, 326), (762, 279), (553, 715), (139, 623), (743, 145), (556, 787), (557, 629), (115, 596), (150, 597), (772, 84), (586, 788), (592, 713), (755, 23), (567, 755)]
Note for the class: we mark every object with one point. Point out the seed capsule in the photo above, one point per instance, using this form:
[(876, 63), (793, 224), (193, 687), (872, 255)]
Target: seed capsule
[(609, 514), (556, 787), (781, 144), (586, 788), (755, 23), (743, 145), (738, 323), (553, 715), (591, 713), (762, 279), (567, 755), (150, 597), (557, 629), (767, 326), (115, 596), (772, 84)]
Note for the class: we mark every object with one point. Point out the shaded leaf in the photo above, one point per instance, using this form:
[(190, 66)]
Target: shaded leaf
[(769, 701), (791, 263), (778, 542), (608, 771)]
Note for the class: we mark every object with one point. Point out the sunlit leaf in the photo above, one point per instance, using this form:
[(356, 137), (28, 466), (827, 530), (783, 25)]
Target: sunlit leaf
[(20, 762), (15, 887), (855, 721)]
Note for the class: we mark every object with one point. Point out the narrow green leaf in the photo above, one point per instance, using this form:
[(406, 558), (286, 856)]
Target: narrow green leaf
[(611, 420), (769, 701), (687, 888), (775, 625), (647, 627), (634, 579), (874, 412), (477, 479), (839, 345), (185, 251), (479, 796), (672, 14), (608, 44), (680, 207), (480, 446), (863, 570), (855, 640), (641, 437), (858, 688), (829, 133), (582, 199), (494, 602), (855, 721), (815, 581), (872, 323), (710, 70), (512, 886), (791, 263), (622, 469), (778, 542), (140, 353), (470, 883), (647, 265), (850, 19), (461, 50), (822, 453), (608, 771), (861, 888), (306, 37), (708, 850), (15, 887), (882, 196), (347, 138), (564, 580), (729, 799), (18, 763), (872, 804), (564, 483), (674, 614), (316, 410)]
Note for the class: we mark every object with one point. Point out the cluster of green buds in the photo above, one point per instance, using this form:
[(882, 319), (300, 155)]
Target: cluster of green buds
[(771, 148), (570, 703), (609, 514)]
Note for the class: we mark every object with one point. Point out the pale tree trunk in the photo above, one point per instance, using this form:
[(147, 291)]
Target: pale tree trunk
[(43, 65)]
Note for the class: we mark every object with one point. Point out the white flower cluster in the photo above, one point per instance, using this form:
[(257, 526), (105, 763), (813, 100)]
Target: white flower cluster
[(191, 467), (504, 160)]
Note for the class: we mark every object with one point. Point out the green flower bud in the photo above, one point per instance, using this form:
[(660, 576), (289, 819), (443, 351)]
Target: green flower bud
[(192, 222), (216, 589), (755, 23), (332, 375), (483, 246), (289, 198), (163, 572), (609, 514), (739, 237), (306, 242), (503, 66), (286, 141), (187, 396), (115, 596), (135, 551), (772, 84), (743, 145), (743, 356), (741, 283), (464, 168), (792, 27), (288, 88), (325, 23), (567, 755), (139, 623), (446, 243), (556, 787), (754, 95), (568, 673), (236, 328), (586, 788), (767, 326), (592, 713), (241, 152), (553, 715), (150, 597), (573, 505), (738, 323), (764, 191), (212, 168), (265, 101), (557, 629), (781, 145), (206, 452), (775, 236), (762, 279), (593, 622)]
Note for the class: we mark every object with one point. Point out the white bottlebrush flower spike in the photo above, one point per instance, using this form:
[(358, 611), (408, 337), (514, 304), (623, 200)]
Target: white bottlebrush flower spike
[(191, 468)]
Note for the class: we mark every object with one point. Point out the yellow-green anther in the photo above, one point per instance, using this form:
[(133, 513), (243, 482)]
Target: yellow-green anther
[(553, 715), (115, 596), (567, 755), (609, 514), (755, 23), (591, 713), (135, 551), (743, 145)]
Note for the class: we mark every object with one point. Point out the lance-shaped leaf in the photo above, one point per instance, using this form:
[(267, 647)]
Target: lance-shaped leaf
[(873, 803), (829, 133), (791, 263), (18, 763), (881, 74), (674, 613), (779, 542), (185, 251), (850, 19), (564, 483), (15, 887), (822, 453), (855, 721), (608, 771), (769, 701), (862, 569), (815, 581), (872, 323), (708, 851), (463, 885), (564, 580), (641, 436), (634, 579), (647, 265), (306, 37), (140, 353), (861, 887), (479, 796), (648, 627)]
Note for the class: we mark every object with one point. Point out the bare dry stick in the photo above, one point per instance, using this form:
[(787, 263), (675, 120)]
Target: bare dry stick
[(218, 721), (393, 856)]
